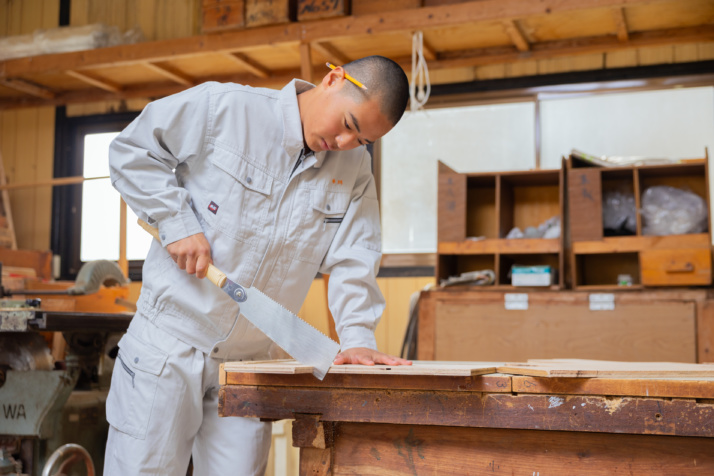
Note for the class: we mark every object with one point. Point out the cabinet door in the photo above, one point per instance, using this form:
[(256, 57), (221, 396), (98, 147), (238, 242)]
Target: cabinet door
[(641, 331), (685, 267)]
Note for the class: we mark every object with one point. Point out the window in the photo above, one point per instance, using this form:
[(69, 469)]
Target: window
[(85, 217), (101, 208), (673, 123)]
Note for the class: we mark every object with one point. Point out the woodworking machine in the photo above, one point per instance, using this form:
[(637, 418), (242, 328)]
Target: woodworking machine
[(46, 403)]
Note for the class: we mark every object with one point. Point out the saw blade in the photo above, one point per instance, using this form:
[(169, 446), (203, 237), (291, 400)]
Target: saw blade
[(298, 338)]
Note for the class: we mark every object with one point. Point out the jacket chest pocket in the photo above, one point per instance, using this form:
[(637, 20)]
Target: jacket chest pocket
[(323, 216), (238, 196)]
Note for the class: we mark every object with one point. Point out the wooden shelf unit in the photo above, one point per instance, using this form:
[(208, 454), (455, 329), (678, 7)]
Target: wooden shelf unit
[(477, 210), (597, 260)]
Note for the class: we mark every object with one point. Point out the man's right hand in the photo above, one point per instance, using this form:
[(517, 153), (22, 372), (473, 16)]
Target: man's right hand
[(192, 253)]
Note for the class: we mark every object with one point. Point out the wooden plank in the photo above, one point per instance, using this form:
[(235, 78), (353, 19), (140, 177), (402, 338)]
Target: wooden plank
[(459, 409), (633, 387), (372, 450), (477, 329), (601, 368), (511, 246), (450, 369), (585, 205), (451, 213), (260, 12), (44, 169), (315, 462), (491, 383), (222, 16), (319, 9), (631, 244), (705, 331), (366, 7), (426, 336)]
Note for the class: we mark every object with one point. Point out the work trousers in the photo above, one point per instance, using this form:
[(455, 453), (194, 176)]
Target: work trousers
[(163, 408)]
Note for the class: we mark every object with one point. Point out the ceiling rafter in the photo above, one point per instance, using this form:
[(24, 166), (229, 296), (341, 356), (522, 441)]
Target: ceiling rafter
[(28, 87), (94, 81), (618, 15), (171, 73), (253, 66), (332, 54), (516, 34)]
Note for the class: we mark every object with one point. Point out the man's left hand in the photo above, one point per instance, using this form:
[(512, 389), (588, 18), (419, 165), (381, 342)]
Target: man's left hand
[(366, 356)]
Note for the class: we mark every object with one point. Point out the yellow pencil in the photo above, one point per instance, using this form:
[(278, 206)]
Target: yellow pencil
[(349, 78)]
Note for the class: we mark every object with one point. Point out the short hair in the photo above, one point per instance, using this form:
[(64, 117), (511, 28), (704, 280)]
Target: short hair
[(385, 80)]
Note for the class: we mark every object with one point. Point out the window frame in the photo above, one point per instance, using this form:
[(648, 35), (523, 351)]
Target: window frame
[(65, 240)]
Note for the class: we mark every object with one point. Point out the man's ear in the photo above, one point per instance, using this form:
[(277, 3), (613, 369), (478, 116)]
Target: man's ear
[(336, 77)]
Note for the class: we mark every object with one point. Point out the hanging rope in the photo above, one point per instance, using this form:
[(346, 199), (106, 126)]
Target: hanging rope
[(420, 87)]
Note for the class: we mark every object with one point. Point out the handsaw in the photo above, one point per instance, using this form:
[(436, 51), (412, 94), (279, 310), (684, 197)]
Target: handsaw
[(302, 341)]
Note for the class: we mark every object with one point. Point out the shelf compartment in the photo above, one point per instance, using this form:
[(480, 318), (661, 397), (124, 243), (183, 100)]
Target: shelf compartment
[(508, 261), (455, 265), (603, 269), (527, 199)]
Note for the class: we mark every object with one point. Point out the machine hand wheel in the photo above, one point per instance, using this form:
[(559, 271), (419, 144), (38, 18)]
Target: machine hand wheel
[(75, 453)]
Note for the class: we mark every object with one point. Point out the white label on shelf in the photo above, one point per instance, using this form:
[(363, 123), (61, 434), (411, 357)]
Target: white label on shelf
[(516, 301), (602, 302)]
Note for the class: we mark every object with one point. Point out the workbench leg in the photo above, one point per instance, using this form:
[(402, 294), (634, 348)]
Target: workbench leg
[(315, 462), (315, 440)]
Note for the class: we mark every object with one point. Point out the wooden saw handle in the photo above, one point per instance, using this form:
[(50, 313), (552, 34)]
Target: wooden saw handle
[(214, 275)]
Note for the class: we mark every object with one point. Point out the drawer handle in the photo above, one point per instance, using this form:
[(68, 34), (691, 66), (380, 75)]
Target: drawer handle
[(687, 268)]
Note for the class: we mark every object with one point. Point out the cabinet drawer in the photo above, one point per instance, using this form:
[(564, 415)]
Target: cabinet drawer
[(682, 267)]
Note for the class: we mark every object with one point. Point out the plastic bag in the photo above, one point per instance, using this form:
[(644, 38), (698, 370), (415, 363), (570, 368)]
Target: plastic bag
[(619, 214), (672, 211)]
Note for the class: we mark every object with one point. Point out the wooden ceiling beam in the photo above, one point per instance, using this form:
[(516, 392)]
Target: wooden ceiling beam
[(94, 81), (517, 37), (171, 73), (27, 87), (253, 66), (306, 71), (304, 32), (332, 54), (143, 91), (618, 15), (571, 47)]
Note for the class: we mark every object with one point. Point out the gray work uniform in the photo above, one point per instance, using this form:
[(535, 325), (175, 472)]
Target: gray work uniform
[(228, 161)]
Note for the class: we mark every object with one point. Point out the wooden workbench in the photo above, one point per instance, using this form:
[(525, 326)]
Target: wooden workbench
[(369, 422)]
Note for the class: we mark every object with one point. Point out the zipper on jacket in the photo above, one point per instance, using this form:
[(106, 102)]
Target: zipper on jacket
[(299, 161), (128, 370)]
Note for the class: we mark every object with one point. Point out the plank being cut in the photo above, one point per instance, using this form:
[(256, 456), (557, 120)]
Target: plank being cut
[(450, 369), (604, 368)]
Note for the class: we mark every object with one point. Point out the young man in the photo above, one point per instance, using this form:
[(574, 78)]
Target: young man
[(272, 187)]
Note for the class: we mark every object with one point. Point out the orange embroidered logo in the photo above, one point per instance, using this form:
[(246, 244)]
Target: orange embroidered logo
[(338, 182)]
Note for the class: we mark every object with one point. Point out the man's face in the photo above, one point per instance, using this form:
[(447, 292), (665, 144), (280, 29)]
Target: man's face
[(338, 122)]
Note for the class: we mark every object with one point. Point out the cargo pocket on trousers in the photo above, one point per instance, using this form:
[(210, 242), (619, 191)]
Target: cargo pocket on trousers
[(135, 379)]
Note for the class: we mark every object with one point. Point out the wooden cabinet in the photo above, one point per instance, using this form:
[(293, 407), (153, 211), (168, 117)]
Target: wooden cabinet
[(598, 260), (640, 325), (476, 211)]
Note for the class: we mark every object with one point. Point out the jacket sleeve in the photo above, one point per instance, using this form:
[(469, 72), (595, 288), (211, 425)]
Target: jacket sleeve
[(145, 159), (352, 262)]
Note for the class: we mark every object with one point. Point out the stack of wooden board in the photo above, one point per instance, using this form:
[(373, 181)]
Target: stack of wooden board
[(574, 368)]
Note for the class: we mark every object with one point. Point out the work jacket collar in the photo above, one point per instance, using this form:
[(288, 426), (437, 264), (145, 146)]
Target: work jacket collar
[(293, 140)]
